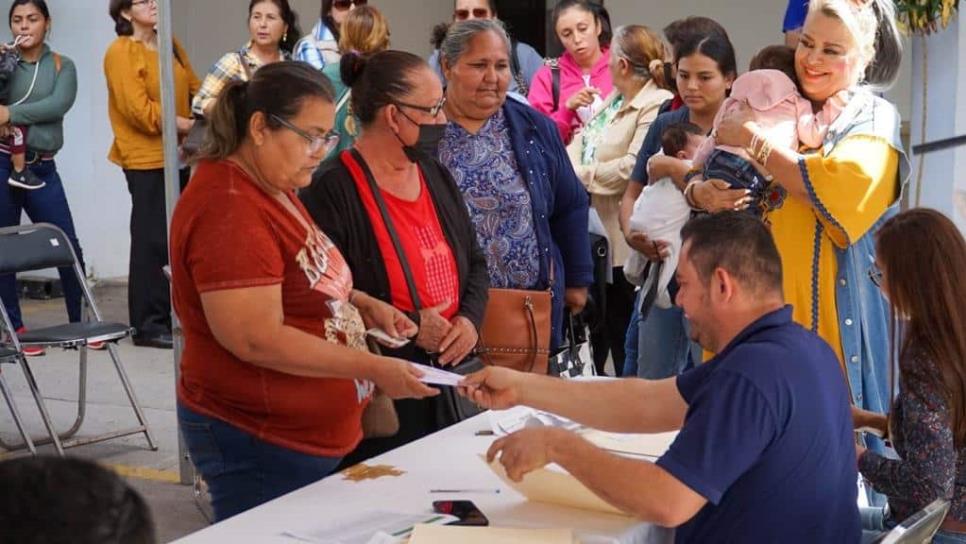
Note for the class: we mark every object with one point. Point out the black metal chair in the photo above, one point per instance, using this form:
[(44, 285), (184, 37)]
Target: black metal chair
[(920, 527), (42, 246)]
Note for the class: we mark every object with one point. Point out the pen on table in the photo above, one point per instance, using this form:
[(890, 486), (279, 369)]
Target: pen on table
[(464, 490)]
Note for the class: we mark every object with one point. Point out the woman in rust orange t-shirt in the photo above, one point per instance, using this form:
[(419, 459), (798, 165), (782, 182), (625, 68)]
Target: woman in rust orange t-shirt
[(275, 374)]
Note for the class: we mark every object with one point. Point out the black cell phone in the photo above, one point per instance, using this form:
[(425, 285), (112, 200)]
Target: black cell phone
[(467, 512)]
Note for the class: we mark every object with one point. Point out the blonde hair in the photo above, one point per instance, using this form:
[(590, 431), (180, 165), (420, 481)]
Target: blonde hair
[(872, 24), (643, 49), (365, 30)]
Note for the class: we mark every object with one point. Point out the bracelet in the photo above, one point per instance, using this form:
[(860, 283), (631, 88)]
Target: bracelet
[(753, 149), (764, 152), (689, 195)]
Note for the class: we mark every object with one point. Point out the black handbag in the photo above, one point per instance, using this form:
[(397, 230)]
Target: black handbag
[(577, 357), (451, 407)]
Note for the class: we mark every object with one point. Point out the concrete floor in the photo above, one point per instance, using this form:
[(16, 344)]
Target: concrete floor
[(153, 473)]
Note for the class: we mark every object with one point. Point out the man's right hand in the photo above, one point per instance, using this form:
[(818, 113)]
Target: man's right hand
[(494, 388), (400, 380)]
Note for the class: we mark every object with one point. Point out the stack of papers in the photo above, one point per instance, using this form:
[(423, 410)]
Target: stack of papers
[(555, 486), (368, 528), (443, 534)]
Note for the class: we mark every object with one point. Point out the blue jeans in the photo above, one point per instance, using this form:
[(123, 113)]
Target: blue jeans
[(242, 471), (875, 522), (739, 173), (658, 347), (46, 205)]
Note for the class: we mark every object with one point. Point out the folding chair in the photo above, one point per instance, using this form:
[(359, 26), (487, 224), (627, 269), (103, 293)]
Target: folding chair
[(920, 527), (13, 356), (41, 246)]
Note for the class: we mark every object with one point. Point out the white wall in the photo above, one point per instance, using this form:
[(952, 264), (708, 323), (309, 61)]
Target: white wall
[(945, 107)]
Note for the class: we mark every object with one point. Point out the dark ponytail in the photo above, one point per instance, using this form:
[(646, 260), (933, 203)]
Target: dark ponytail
[(883, 71), (277, 89), (378, 80)]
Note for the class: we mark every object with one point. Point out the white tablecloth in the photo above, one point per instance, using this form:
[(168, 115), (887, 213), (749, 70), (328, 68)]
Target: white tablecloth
[(448, 459)]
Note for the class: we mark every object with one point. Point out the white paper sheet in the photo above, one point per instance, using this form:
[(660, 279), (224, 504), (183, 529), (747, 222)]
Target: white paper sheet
[(437, 376), (367, 528)]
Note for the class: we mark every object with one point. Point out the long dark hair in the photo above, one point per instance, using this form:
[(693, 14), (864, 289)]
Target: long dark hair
[(923, 256), (328, 20), (289, 17), (276, 89), (601, 15), (714, 46), (122, 27), (41, 5)]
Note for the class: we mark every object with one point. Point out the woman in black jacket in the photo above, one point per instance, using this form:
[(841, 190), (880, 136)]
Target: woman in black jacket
[(425, 259)]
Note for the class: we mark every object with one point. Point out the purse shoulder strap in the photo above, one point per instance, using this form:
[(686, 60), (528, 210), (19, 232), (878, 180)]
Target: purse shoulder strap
[(352, 158), (244, 65)]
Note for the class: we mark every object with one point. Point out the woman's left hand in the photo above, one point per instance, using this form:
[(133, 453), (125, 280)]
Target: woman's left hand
[(379, 315), (4, 115), (459, 342), (734, 122), (575, 298)]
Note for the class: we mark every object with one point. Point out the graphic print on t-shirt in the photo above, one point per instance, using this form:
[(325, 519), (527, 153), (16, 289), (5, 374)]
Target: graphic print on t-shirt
[(442, 281)]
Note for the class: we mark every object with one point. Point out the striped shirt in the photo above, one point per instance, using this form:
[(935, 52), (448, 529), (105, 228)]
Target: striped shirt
[(318, 48), (229, 67)]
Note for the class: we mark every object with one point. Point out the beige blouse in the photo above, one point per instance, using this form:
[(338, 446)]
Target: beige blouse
[(606, 178)]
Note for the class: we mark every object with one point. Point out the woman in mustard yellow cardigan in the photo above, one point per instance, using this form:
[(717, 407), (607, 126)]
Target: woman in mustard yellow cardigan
[(134, 104)]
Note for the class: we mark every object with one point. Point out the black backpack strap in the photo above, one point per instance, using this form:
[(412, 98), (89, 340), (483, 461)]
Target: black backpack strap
[(554, 65)]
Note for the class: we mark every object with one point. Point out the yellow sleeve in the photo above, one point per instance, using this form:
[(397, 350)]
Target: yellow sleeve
[(853, 186), (125, 70), (194, 84)]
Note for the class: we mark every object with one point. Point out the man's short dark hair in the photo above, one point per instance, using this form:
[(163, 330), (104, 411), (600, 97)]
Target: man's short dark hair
[(674, 139), (52, 499), (739, 243)]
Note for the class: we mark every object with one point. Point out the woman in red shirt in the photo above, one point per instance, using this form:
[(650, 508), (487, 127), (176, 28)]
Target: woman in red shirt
[(275, 374)]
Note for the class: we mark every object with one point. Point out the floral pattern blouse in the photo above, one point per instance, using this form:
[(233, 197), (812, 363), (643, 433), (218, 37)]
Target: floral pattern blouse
[(499, 202), (930, 465)]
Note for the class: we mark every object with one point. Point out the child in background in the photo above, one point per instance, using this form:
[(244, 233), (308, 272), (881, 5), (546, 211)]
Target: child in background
[(660, 213), (771, 90), (20, 176)]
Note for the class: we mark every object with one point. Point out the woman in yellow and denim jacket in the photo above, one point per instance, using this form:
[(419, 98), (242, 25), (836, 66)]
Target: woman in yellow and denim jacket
[(826, 204)]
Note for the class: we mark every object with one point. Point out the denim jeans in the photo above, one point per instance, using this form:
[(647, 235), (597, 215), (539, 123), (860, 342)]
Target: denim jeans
[(631, 339), (739, 173), (658, 347), (242, 471), (45, 205)]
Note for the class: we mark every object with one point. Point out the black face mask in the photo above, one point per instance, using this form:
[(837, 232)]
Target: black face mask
[(427, 143)]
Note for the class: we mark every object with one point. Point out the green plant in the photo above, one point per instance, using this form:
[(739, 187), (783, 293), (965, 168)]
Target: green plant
[(923, 17)]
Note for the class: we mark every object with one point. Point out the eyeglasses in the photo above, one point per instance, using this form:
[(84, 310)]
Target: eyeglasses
[(144, 2), (324, 143), (347, 4), (432, 110), (478, 13), (875, 275)]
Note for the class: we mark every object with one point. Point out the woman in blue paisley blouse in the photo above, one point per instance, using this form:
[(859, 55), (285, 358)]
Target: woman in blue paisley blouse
[(529, 208), (920, 256)]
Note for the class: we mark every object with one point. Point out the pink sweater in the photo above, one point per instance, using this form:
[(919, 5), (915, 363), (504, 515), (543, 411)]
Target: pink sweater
[(571, 81), (785, 117)]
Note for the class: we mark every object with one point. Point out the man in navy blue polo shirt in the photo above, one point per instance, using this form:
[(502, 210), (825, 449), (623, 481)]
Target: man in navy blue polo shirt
[(765, 451)]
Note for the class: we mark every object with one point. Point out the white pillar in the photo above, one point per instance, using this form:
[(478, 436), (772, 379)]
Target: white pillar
[(939, 90)]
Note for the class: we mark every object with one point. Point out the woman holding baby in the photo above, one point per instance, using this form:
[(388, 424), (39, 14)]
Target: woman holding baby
[(826, 204)]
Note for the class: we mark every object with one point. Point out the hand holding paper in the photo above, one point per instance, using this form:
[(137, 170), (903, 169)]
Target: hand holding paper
[(437, 376), (494, 388)]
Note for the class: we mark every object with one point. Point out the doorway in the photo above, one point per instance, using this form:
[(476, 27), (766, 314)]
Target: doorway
[(526, 21)]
